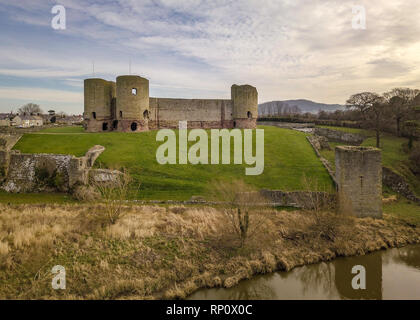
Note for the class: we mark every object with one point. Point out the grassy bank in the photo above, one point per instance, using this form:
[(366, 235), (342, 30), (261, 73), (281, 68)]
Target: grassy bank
[(34, 198), (157, 252), (288, 156)]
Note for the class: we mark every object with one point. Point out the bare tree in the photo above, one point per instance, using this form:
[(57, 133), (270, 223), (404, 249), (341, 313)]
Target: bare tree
[(376, 113), (30, 108), (399, 101), (371, 107), (362, 102)]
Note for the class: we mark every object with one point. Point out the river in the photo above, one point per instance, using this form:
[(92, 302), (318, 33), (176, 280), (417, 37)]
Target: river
[(390, 274)]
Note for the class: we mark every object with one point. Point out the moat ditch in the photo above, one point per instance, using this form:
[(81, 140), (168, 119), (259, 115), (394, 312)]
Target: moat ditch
[(390, 274)]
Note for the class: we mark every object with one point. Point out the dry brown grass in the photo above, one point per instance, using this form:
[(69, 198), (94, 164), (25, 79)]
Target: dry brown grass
[(166, 252)]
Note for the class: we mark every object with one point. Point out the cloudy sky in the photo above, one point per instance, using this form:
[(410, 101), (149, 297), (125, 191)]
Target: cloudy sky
[(197, 49)]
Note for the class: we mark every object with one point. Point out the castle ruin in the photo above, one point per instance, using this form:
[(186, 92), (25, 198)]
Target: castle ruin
[(359, 181), (125, 106)]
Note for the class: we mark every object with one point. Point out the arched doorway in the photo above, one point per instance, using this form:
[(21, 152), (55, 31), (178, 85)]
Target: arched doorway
[(133, 126), (115, 124), (105, 126)]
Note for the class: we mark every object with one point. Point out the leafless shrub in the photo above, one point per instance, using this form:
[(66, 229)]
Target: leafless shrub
[(243, 207), (114, 194), (86, 193), (315, 197), (321, 205)]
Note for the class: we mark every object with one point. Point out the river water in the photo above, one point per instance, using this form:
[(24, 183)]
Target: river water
[(390, 274)]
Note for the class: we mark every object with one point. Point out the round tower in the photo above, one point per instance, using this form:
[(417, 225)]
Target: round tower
[(97, 104), (132, 108), (244, 106)]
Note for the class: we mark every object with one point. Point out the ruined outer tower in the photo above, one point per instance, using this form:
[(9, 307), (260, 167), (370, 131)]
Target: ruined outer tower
[(98, 104), (245, 106), (132, 111), (359, 180)]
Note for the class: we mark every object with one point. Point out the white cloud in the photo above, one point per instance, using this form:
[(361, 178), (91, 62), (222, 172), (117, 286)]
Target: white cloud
[(41, 95), (288, 49)]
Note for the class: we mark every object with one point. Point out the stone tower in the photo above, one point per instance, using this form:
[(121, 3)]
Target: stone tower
[(359, 180), (99, 103), (132, 111), (245, 106)]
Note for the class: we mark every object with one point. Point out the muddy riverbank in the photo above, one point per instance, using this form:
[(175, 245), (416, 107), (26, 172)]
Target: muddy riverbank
[(154, 252)]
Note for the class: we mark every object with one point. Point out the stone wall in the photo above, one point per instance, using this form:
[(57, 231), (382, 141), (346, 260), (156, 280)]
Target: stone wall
[(48, 172), (286, 125), (299, 199), (4, 163), (200, 113), (398, 184), (359, 181), (7, 141), (339, 136)]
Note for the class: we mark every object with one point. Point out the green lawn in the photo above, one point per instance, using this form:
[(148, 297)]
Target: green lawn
[(34, 198), (366, 133), (404, 209), (288, 156), (63, 129)]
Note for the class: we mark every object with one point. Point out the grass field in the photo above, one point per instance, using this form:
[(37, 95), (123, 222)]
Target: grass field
[(34, 198), (366, 133), (288, 156), (403, 209), (66, 129)]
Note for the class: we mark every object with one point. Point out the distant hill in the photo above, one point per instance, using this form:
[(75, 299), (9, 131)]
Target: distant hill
[(302, 105)]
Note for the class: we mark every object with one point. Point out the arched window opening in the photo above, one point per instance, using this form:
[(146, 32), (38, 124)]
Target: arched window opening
[(133, 126), (105, 126), (146, 114), (94, 115), (249, 114)]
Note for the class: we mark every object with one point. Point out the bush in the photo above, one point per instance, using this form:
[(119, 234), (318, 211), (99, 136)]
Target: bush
[(44, 177), (114, 195), (415, 159), (85, 193), (2, 171), (243, 207)]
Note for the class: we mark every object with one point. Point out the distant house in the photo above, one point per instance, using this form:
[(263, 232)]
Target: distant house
[(27, 121), (70, 120), (5, 120)]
